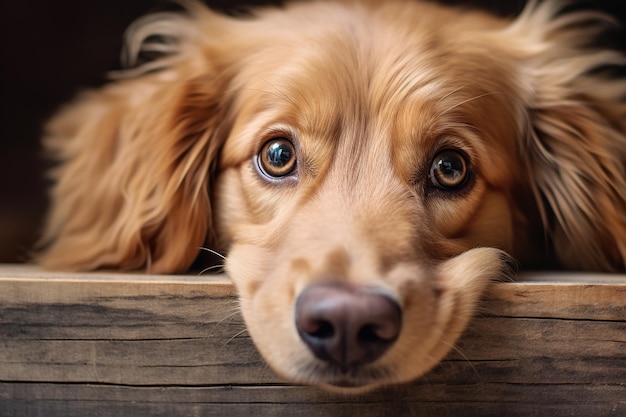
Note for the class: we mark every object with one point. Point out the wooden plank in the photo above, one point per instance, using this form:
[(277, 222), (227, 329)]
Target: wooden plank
[(413, 400), (128, 344)]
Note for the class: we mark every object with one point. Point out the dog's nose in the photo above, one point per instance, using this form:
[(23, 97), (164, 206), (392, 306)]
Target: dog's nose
[(347, 325)]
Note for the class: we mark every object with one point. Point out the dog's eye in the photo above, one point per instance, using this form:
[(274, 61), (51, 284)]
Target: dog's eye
[(277, 157), (448, 170)]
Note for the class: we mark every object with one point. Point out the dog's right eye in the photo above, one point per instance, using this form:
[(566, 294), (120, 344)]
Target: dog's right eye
[(449, 170), (277, 157)]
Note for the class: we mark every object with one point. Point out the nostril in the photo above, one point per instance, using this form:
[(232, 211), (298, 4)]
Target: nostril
[(320, 329), (317, 334), (372, 334)]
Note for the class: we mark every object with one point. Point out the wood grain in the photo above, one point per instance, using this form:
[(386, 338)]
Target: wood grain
[(139, 345)]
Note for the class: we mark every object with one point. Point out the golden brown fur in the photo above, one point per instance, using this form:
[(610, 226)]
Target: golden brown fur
[(162, 161)]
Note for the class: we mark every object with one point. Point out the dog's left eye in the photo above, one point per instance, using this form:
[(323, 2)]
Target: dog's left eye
[(277, 157), (448, 170)]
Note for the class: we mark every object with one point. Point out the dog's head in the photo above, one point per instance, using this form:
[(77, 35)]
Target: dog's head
[(366, 166)]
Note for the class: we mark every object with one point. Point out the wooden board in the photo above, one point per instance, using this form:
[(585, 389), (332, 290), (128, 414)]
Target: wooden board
[(139, 345)]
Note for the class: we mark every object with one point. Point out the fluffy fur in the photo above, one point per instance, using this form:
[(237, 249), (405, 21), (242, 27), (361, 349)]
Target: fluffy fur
[(163, 161)]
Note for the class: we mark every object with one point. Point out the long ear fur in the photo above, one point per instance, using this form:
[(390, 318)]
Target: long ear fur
[(135, 157), (576, 134)]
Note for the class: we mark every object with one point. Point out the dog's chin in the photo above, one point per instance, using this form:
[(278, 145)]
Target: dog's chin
[(356, 381), (351, 386)]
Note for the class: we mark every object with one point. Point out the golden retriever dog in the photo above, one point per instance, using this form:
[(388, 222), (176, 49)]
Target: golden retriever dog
[(366, 167)]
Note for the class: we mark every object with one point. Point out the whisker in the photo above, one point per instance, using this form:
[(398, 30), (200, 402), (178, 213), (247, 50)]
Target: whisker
[(216, 253), (259, 90), (239, 333), (281, 93), (276, 93), (460, 352), (468, 100), (461, 125), (450, 93), (264, 370), (225, 345), (222, 322), (229, 316), (217, 267)]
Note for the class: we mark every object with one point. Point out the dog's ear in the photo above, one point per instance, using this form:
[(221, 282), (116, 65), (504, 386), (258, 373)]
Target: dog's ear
[(135, 158), (575, 136)]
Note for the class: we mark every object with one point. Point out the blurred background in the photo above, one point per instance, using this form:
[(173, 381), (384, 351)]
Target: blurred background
[(50, 50)]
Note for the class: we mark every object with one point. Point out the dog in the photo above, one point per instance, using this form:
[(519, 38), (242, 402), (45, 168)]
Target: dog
[(368, 168)]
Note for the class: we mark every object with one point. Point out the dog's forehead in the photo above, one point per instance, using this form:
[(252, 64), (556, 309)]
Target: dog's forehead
[(365, 81)]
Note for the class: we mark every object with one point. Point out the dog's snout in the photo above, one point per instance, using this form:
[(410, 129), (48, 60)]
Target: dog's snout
[(347, 326)]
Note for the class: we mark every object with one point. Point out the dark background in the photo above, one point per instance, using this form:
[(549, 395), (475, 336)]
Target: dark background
[(50, 50)]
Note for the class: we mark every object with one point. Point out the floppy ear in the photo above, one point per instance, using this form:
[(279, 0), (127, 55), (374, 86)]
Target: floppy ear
[(576, 135), (135, 158)]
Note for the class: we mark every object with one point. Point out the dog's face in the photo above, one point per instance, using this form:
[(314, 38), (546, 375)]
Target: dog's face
[(374, 172), (370, 167)]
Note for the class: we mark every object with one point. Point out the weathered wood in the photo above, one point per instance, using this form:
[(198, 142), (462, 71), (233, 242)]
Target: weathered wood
[(129, 345)]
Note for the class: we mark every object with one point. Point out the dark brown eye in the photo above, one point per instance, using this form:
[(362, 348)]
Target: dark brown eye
[(449, 170), (277, 157)]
